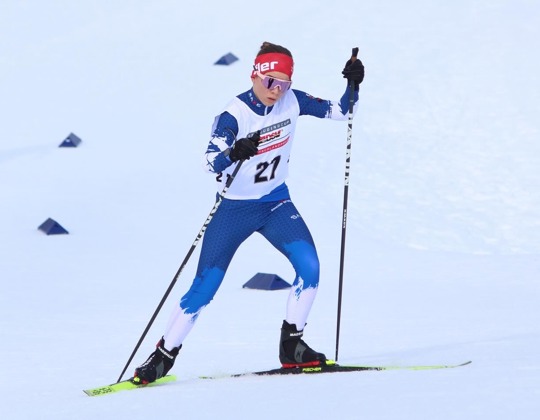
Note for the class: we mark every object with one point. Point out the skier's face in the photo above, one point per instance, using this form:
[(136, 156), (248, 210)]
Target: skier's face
[(269, 96)]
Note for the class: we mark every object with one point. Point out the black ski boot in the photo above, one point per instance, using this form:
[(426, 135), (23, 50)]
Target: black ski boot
[(294, 352), (157, 365)]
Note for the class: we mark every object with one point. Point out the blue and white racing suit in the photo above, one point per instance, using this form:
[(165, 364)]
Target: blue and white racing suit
[(257, 201)]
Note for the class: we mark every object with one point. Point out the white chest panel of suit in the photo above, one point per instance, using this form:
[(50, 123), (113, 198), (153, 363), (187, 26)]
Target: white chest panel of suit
[(269, 168)]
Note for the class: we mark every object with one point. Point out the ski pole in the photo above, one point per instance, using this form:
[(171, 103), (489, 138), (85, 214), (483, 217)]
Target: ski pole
[(182, 266), (345, 201)]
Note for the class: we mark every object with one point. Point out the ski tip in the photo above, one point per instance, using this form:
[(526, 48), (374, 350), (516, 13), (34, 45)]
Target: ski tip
[(128, 384)]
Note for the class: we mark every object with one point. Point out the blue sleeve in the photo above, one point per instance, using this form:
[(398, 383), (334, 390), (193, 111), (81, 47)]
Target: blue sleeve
[(322, 108), (224, 133), (310, 105)]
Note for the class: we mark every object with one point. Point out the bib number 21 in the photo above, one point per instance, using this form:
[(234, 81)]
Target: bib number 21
[(267, 170)]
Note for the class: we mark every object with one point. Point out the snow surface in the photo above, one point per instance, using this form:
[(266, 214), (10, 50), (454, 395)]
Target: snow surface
[(443, 236)]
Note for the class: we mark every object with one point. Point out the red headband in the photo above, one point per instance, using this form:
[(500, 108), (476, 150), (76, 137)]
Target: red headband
[(266, 63)]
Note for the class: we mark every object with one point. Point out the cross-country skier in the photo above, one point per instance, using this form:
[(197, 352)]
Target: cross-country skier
[(257, 127)]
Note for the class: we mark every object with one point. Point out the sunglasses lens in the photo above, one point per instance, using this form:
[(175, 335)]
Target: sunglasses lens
[(271, 83)]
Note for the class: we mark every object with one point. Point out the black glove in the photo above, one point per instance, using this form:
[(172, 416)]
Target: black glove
[(354, 71), (245, 148)]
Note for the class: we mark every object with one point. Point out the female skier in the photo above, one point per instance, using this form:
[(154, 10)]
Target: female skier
[(257, 128)]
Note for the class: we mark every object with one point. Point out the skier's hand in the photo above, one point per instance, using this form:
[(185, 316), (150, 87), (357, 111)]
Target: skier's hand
[(354, 70), (245, 148)]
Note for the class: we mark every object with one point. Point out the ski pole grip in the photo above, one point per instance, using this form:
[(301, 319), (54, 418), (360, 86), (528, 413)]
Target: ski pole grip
[(256, 137), (354, 54)]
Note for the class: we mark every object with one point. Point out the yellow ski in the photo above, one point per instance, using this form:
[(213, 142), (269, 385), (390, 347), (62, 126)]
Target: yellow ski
[(125, 386)]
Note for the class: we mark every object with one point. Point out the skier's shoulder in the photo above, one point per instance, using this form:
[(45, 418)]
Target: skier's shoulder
[(305, 98)]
